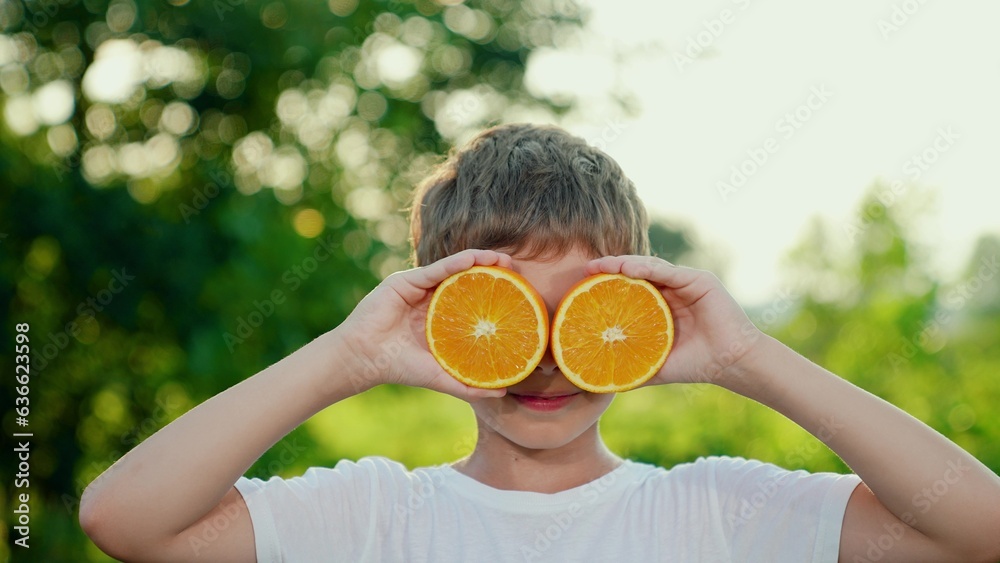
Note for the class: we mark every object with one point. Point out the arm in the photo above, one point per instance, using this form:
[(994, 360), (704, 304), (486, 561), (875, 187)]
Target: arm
[(904, 464), (930, 497), (149, 503), (155, 502)]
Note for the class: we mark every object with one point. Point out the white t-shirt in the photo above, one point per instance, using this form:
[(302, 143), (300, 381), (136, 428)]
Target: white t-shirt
[(714, 509)]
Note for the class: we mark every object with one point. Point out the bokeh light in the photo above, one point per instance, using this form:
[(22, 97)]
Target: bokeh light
[(308, 223)]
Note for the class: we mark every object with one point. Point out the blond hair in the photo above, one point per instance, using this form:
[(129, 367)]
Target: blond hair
[(530, 190)]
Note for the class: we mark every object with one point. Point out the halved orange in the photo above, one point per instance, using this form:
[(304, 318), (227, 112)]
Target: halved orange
[(611, 333), (487, 327)]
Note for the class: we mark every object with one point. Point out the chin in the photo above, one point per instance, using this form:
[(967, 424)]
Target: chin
[(541, 439), (505, 418)]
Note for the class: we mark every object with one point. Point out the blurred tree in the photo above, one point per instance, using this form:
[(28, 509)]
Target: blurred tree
[(191, 190), (669, 242), (982, 275), (873, 311)]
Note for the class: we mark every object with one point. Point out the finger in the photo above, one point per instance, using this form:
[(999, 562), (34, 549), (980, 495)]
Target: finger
[(448, 384), (505, 261), (605, 265), (443, 382), (475, 393), (660, 272), (413, 285), (649, 268), (614, 264), (431, 275)]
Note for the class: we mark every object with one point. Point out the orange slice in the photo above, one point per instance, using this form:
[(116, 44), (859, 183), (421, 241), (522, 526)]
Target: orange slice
[(611, 333), (487, 327)]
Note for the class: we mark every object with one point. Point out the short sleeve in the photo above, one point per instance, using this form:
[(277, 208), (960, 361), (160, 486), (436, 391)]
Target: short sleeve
[(326, 514), (772, 514)]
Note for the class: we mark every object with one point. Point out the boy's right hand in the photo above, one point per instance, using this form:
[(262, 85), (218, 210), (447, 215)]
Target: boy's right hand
[(386, 330)]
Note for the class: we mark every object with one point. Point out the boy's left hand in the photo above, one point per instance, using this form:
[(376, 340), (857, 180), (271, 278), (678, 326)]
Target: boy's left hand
[(712, 333), (896, 455)]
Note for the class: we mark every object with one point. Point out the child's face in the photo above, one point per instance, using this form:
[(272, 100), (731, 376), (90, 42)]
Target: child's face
[(545, 410)]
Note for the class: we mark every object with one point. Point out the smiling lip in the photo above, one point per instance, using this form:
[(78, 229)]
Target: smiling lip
[(546, 402)]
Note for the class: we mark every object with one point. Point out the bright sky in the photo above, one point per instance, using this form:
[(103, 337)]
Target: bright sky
[(832, 97)]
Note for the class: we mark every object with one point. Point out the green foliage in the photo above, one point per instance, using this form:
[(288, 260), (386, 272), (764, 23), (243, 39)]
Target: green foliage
[(876, 315), (193, 190), (230, 207)]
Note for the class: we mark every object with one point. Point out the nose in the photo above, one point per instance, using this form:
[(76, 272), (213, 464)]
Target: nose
[(548, 364)]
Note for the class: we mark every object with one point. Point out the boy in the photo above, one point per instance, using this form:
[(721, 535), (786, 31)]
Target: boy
[(540, 484)]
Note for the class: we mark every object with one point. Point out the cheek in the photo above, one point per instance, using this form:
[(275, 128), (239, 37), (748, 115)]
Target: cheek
[(598, 402), (492, 411)]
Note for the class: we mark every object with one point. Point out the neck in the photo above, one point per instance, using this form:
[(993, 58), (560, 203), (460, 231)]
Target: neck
[(503, 464)]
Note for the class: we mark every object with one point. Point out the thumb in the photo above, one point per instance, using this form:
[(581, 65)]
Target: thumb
[(457, 389), (443, 382)]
